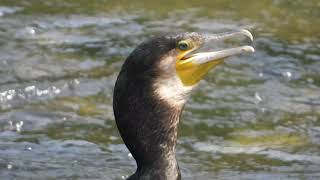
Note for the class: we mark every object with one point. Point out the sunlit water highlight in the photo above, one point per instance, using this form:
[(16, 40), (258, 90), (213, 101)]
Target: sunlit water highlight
[(255, 117)]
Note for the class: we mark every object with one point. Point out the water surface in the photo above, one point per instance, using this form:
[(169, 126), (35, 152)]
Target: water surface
[(255, 117)]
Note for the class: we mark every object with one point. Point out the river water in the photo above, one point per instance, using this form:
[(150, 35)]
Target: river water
[(255, 117)]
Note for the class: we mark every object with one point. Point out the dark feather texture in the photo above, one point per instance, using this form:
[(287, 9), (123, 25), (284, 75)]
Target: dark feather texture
[(147, 124)]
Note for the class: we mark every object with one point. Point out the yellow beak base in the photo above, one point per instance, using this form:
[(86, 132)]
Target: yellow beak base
[(190, 73)]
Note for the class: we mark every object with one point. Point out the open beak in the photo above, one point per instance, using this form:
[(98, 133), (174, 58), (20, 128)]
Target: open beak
[(192, 68)]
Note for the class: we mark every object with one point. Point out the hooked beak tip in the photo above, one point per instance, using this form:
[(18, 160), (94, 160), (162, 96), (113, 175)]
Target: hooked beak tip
[(247, 33), (248, 49)]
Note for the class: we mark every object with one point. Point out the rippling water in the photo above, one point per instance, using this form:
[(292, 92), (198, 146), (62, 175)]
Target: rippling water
[(256, 117)]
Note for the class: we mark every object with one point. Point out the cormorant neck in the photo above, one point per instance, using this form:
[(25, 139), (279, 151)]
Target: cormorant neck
[(165, 168), (155, 156), (148, 126)]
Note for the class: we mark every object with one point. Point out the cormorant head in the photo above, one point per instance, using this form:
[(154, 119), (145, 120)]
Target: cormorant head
[(150, 92), (174, 68)]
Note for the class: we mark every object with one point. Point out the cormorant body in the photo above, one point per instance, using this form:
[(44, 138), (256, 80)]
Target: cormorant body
[(149, 96), (143, 120)]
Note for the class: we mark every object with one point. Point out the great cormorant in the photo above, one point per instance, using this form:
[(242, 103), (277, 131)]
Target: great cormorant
[(150, 93)]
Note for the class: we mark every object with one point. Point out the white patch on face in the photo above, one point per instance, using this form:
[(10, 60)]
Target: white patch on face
[(168, 86), (173, 91)]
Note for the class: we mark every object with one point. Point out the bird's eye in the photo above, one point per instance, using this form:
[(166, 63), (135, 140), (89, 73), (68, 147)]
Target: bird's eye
[(183, 45)]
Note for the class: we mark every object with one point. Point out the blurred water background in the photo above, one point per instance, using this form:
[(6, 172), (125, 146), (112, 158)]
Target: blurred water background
[(256, 117)]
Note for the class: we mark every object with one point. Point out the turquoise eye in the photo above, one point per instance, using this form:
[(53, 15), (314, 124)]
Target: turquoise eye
[(183, 45)]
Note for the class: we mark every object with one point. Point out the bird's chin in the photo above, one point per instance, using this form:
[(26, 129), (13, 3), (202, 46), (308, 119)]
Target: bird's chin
[(172, 91)]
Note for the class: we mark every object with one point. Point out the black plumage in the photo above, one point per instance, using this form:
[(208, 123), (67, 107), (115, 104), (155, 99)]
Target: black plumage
[(143, 120), (150, 93)]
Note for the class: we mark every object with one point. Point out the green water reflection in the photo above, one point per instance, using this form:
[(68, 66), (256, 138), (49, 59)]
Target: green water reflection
[(255, 117)]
